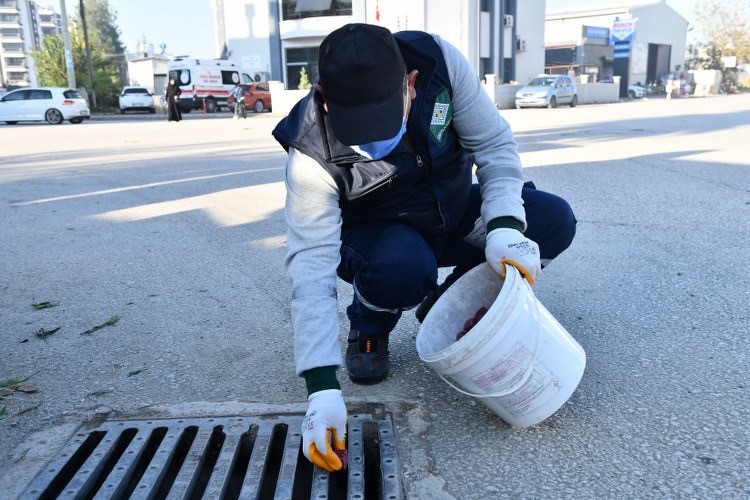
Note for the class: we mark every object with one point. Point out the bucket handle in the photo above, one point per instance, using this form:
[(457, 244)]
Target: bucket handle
[(526, 375)]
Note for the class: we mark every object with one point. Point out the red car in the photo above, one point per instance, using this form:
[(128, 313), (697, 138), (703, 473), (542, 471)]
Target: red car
[(257, 96)]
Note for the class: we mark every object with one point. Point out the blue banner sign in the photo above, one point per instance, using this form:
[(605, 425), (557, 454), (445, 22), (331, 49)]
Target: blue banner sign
[(595, 32)]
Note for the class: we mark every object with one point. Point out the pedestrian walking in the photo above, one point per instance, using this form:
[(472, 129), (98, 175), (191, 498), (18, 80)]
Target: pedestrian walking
[(174, 114)]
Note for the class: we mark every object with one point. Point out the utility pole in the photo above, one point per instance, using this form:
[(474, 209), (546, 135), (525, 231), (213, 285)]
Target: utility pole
[(88, 53), (68, 52)]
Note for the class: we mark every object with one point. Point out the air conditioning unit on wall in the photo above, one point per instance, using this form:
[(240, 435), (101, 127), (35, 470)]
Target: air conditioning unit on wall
[(520, 45), (508, 21)]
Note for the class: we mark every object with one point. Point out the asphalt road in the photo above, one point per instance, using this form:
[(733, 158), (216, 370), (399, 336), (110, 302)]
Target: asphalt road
[(177, 230)]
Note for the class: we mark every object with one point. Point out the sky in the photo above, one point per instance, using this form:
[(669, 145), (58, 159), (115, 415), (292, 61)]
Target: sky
[(186, 26)]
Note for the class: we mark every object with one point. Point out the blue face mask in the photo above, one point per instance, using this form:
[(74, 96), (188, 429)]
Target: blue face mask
[(380, 149)]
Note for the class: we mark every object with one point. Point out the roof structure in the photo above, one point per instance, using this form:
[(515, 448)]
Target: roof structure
[(605, 8)]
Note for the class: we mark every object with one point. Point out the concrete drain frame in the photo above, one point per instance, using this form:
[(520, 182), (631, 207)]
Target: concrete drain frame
[(219, 458)]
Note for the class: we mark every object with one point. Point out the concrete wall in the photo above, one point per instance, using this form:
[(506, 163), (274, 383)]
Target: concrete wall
[(706, 81), (149, 72), (282, 101), (598, 93), (247, 32), (448, 18), (504, 95), (530, 62)]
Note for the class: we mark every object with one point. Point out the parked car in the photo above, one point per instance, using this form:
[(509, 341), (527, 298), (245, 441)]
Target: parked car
[(51, 104), (547, 91), (136, 99), (636, 91), (257, 96)]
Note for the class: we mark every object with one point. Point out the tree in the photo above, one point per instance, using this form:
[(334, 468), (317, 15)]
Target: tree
[(104, 34), (49, 59), (726, 34), (107, 54), (304, 81), (49, 62), (725, 28), (106, 51)]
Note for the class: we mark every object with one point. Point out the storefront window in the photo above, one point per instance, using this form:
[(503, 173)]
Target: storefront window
[(296, 59), (300, 9)]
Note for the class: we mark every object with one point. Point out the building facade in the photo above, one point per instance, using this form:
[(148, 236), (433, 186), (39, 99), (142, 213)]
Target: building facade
[(639, 41), (279, 39), (23, 25)]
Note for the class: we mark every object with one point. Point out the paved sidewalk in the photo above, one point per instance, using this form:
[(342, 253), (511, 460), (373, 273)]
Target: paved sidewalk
[(158, 250)]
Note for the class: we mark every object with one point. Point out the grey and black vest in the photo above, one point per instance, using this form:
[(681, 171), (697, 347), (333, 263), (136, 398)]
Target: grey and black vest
[(424, 182)]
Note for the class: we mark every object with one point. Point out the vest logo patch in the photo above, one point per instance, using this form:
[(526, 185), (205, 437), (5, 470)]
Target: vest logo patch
[(439, 114), (442, 114)]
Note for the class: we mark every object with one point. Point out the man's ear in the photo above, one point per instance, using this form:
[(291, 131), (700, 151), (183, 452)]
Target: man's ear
[(411, 80), (319, 90)]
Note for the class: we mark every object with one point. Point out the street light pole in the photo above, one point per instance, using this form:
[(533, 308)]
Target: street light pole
[(88, 53), (68, 52)]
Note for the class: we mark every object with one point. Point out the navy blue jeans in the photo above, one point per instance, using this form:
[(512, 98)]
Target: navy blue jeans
[(393, 266)]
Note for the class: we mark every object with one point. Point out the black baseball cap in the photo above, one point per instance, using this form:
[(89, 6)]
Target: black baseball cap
[(362, 74)]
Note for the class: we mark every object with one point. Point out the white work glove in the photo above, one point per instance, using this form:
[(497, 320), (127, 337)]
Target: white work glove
[(510, 246), (325, 419)]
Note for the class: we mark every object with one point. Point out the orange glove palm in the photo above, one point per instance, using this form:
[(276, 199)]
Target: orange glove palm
[(509, 246), (325, 422)]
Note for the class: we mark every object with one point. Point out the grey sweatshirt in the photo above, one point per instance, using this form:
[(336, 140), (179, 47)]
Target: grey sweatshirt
[(313, 215)]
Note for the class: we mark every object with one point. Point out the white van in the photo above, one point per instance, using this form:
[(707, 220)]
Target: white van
[(206, 81)]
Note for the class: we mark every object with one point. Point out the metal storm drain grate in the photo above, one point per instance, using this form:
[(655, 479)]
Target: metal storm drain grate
[(218, 458)]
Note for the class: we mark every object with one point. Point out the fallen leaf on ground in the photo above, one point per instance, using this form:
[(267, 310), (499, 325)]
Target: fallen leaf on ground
[(43, 334), (28, 389), (100, 392), (111, 322), (15, 381), (28, 408), (44, 305)]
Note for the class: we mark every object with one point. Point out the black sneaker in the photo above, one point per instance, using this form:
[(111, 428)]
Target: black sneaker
[(367, 358)]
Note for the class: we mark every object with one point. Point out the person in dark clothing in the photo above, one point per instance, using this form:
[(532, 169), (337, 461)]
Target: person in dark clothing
[(380, 193), (174, 114)]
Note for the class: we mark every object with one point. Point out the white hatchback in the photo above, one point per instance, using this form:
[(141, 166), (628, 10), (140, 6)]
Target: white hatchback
[(136, 99), (51, 104)]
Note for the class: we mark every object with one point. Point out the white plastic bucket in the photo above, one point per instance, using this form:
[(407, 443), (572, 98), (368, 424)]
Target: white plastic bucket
[(518, 360)]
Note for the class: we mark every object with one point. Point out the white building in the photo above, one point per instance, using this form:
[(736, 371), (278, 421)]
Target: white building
[(149, 72), (275, 40), (23, 25), (146, 68), (637, 40)]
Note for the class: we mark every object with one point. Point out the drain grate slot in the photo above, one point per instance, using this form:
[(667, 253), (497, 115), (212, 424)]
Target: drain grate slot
[(273, 463), (240, 463), (206, 464), (83, 448), (219, 458), (93, 474), (168, 460)]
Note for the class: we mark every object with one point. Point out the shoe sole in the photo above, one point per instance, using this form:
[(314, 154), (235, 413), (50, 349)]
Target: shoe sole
[(367, 380)]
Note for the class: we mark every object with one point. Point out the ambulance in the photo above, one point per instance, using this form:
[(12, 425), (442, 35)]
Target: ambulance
[(205, 83)]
